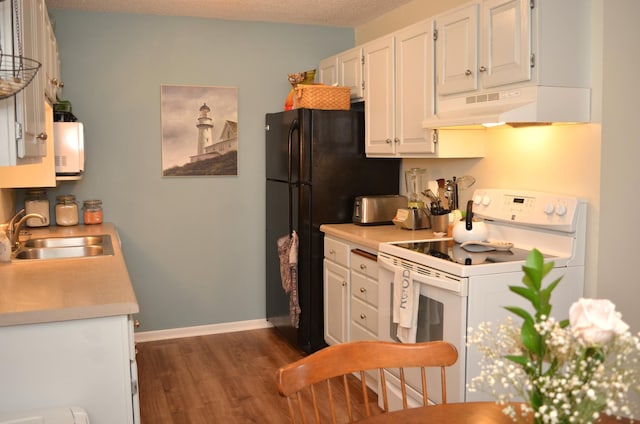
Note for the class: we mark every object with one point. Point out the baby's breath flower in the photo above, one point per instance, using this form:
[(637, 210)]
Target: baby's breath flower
[(574, 380)]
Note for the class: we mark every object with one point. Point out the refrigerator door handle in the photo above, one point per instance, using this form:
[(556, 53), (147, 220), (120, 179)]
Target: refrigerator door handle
[(295, 126)]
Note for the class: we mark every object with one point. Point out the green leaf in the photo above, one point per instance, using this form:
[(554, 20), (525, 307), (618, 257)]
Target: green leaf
[(528, 294), (536, 399), (520, 312), (534, 268), (520, 360), (530, 337), (564, 323), (545, 296)]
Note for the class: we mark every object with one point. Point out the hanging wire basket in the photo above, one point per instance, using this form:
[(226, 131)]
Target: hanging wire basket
[(16, 73)]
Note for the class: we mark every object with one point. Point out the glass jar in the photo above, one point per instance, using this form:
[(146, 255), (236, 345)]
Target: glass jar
[(36, 201), (5, 244), (66, 210), (92, 212)]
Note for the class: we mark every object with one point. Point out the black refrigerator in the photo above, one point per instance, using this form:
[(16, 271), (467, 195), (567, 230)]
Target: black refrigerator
[(315, 167)]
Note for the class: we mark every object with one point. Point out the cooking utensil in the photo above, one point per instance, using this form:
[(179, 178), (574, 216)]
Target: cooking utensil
[(464, 182), (486, 246), (465, 257), (441, 188), (470, 229)]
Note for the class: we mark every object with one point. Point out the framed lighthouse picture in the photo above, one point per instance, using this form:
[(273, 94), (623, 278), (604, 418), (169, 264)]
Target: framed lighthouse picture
[(199, 130)]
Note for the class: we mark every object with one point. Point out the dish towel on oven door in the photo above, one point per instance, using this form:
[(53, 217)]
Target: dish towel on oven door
[(406, 299), (288, 254)]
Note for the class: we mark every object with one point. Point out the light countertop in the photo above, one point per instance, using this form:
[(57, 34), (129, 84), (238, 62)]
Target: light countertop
[(372, 236), (47, 290)]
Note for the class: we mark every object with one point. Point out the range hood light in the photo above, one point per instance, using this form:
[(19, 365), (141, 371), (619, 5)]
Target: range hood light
[(492, 124)]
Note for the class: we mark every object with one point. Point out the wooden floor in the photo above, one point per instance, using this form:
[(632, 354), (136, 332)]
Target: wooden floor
[(221, 378)]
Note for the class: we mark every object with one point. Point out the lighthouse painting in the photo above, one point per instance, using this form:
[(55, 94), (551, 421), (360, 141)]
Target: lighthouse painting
[(199, 130)]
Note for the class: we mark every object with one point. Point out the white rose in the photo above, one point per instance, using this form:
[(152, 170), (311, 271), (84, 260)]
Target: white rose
[(595, 321)]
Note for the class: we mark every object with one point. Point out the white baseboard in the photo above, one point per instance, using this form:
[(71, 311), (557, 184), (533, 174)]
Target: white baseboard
[(200, 330)]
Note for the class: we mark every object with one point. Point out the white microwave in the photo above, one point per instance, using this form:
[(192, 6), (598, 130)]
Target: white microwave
[(68, 140)]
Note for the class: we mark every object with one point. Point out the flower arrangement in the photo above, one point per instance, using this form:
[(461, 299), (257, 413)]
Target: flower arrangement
[(567, 371)]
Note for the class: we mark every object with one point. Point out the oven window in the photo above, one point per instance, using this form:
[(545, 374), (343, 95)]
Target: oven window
[(430, 320)]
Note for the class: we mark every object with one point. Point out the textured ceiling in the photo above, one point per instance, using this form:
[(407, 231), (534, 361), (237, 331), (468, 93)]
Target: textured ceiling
[(343, 13)]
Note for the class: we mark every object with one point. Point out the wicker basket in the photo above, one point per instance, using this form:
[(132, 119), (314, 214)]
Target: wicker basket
[(317, 96)]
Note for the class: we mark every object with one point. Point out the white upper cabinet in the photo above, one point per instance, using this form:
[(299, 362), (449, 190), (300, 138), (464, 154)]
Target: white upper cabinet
[(505, 42), (414, 88), (379, 98), (328, 71), (350, 72), (53, 84), (457, 50), (483, 45), (345, 70), (31, 120), (399, 92), (26, 130), (497, 43)]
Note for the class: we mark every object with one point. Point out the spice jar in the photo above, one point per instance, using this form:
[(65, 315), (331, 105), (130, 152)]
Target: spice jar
[(36, 201), (92, 212), (66, 210)]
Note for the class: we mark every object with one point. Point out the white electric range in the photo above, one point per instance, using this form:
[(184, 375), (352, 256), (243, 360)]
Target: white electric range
[(461, 289)]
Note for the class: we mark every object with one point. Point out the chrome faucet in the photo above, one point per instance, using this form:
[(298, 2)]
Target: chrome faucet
[(13, 228)]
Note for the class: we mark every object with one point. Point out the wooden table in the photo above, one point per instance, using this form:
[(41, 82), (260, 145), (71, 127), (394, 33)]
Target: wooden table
[(458, 413)]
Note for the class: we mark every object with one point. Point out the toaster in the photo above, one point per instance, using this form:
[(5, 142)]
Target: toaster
[(377, 210)]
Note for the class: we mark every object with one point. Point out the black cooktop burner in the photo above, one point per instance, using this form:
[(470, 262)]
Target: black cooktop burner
[(453, 252)]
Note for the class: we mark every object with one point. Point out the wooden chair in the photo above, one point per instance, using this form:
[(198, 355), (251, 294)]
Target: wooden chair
[(342, 360)]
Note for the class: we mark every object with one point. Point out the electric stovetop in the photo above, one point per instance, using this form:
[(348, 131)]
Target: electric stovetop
[(453, 252)]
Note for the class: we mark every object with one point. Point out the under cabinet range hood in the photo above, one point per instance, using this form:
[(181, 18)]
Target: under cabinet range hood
[(530, 105)]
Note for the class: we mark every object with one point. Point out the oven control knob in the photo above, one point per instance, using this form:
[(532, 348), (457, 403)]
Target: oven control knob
[(477, 199), (549, 208), (486, 200), (561, 210)]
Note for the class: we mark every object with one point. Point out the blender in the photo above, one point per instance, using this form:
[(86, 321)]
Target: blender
[(413, 217)]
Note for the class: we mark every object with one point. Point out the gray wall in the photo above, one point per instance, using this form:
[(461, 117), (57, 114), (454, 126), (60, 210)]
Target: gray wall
[(194, 246)]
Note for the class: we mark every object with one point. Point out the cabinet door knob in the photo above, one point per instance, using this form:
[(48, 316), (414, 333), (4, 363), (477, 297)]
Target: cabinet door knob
[(363, 290), (363, 316), (332, 252), (483, 69), (363, 267), (344, 284), (42, 136), (468, 72), (136, 323), (396, 140), (388, 141)]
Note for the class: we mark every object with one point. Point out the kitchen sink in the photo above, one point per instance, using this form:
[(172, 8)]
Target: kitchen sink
[(65, 247), (67, 241)]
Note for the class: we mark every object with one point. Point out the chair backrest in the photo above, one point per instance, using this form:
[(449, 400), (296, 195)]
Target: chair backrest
[(344, 359)]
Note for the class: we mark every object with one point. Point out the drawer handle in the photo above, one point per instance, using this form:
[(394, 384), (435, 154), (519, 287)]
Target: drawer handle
[(363, 316), (363, 290), (363, 267), (332, 252)]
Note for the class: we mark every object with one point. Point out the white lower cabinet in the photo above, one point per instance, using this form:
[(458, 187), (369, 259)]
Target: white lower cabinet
[(336, 303), (336, 291), (88, 363), (350, 295)]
